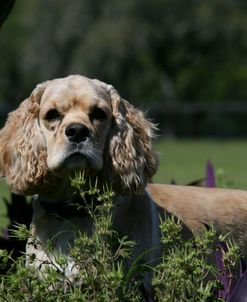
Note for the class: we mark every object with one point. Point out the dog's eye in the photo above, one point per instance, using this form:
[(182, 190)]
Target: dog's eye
[(98, 114), (52, 114)]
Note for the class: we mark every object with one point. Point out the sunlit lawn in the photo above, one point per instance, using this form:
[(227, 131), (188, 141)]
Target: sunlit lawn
[(184, 161), (4, 194)]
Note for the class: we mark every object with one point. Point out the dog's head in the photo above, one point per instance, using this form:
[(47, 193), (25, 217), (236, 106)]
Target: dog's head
[(76, 123)]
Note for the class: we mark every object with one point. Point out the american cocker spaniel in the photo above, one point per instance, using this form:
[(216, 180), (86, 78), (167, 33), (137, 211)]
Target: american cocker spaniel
[(76, 123), (79, 124)]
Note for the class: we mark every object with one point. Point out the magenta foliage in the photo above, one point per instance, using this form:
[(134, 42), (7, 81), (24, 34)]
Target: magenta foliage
[(239, 293), (210, 175), (5, 235), (234, 285), (226, 276)]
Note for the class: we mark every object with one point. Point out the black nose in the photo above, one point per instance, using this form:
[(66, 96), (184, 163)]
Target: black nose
[(77, 132)]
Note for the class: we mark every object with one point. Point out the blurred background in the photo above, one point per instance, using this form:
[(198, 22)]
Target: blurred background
[(182, 61)]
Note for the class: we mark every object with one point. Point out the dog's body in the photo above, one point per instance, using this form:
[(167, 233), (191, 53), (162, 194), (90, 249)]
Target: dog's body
[(79, 124), (76, 123), (224, 209), (142, 228)]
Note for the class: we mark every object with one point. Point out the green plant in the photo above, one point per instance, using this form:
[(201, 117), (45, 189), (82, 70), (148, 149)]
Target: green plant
[(183, 274), (98, 261)]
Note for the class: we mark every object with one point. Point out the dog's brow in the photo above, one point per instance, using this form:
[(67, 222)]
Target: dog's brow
[(99, 103)]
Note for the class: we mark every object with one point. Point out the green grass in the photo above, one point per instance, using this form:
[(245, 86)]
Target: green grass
[(4, 194), (185, 160)]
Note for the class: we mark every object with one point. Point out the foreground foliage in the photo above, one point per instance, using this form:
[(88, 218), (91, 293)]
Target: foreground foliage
[(182, 275), (187, 272)]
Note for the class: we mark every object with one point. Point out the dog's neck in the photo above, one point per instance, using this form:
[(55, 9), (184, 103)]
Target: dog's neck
[(62, 200), (65, 208)]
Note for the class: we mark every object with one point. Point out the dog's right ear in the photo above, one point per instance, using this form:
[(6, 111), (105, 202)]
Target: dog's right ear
[(22, 146), (132, 160)]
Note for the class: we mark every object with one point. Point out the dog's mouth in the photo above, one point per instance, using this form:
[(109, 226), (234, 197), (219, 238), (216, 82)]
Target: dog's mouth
[(76, 161)]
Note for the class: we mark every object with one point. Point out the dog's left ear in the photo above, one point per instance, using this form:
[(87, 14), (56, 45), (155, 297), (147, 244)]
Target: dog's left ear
[(22, 146), (132, 158)]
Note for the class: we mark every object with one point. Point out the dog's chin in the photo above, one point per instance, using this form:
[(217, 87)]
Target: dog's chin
[(76, 162)]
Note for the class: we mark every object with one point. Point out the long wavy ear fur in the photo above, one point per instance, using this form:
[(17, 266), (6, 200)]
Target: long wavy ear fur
[(132, 159), (22, 147)]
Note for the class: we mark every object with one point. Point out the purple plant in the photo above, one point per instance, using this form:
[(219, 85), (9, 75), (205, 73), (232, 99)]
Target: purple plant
[(234, 285), (239, 293), (5, 235), (226, 277), (210, 175)]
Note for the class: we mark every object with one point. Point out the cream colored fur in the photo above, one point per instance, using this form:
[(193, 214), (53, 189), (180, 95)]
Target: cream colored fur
[(41, 146), (196, 206)]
